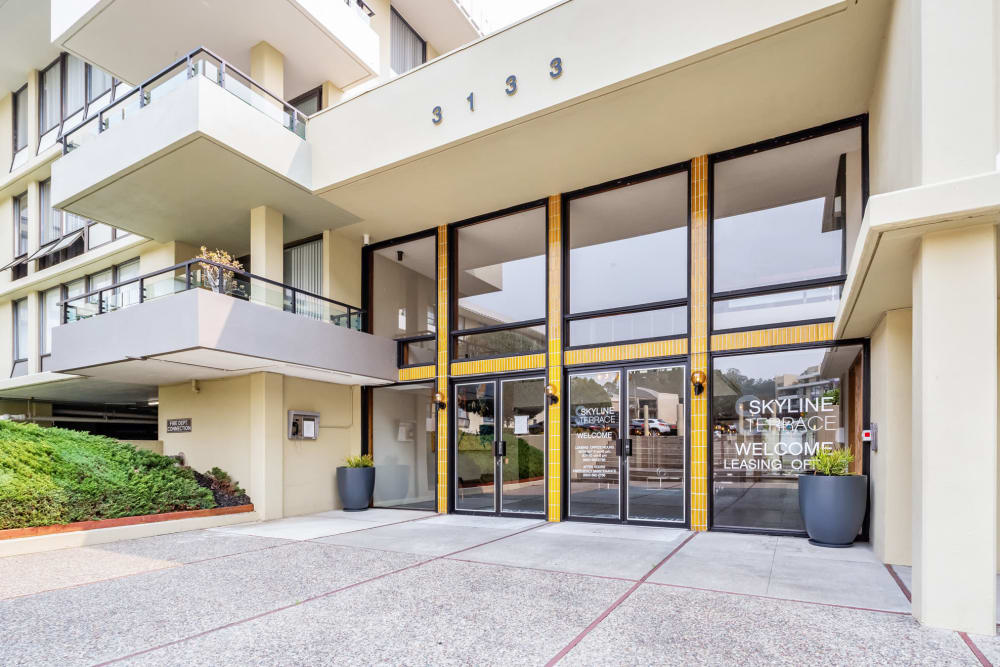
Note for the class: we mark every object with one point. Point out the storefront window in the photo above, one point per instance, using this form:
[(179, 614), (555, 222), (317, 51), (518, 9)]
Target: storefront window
[(404, 289), (771, 413), (628, 249), (785, 217), (404, 446), (500, 286)]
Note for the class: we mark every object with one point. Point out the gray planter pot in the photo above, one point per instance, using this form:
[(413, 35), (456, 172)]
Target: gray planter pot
[(355, 486), (833, 507)]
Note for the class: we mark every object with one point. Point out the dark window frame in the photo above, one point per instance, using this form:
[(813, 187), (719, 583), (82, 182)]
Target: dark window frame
[(41, 96), (88, 79), (454, 332), (66, 113), (23, 90), (859, 121), (16, 339), (423, 42), (567, 316), (368, 284), (316, 92)]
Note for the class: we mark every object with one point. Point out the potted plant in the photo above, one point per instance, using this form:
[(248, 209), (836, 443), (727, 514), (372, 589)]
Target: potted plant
[(356, 482), (832, 500)]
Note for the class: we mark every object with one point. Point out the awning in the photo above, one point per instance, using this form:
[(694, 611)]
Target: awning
[(16, 262), (55, 246)]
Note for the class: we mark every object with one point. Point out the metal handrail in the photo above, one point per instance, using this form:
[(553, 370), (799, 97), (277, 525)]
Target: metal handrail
[(141, 90), (350, 311), (363, 5)]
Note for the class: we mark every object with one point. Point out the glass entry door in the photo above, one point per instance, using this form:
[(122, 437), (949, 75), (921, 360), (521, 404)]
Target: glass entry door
[(628, 424), (500, 435)]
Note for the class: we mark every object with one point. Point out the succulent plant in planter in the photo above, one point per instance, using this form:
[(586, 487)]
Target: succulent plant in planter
[(356, 482), (832, 500)]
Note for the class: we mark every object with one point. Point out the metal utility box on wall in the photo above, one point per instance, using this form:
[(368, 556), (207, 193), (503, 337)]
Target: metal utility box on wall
[(303, 425)]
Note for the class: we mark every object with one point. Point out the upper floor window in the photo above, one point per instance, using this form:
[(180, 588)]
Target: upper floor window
[(21, 118), (628, 261), (403, 301), (499, 285), (20, 330), (51, 219), (784, 220), (49, 314), (98, 83), (21, 224), (76, 84), (50, 97), (310, 102), (407, 48)]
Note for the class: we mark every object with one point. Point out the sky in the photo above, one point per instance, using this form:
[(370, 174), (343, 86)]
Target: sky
[(501, 13)]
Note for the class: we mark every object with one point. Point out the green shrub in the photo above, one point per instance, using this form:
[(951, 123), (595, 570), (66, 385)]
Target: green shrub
[(53, 475), (835, 461), (363, 461)]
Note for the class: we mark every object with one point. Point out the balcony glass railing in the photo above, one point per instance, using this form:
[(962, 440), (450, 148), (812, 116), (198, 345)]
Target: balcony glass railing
[(204, 274), (200, 62)]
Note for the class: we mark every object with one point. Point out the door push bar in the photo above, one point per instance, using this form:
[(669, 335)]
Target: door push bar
[(623, 445), (499, 448)]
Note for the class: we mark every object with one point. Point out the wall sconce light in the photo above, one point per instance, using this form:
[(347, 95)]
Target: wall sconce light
[(698, 379), (551, 395), (438, 400)]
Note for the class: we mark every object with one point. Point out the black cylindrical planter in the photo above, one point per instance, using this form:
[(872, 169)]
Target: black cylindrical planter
[(833, 507), (355, 486)]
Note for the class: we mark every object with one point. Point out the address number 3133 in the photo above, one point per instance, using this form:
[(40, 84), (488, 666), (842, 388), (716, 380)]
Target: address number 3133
[(510, 88)]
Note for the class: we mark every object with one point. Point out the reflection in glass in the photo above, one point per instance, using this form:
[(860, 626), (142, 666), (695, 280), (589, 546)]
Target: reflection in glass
[(776, 308), (786, 214), (416, 352), (526, 340), (404, 446), (628, 246), (523, 432), (501, 270), (404, 289), (656, 416), (771, 412), (593, 434), (475, 462), (658, 323)]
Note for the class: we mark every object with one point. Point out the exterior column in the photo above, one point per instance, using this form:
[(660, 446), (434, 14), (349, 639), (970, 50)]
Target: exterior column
[(34, 333), (955, 430), (267, 67), (330, 95), (698, 409), (267, 254), (442, 367), (554, 359), (892, 463), (33, 135), (267, 437), (341, 268)]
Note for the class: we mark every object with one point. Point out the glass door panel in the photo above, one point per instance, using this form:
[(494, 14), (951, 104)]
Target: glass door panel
[(475, 459), (656, 414), (522, 459), (593, 410)]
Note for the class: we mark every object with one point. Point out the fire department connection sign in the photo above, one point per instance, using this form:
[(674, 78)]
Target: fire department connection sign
[(179, 425)]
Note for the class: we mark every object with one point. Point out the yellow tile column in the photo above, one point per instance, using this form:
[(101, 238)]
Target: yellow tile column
[(699, 341), (442, 367), (555, 357)]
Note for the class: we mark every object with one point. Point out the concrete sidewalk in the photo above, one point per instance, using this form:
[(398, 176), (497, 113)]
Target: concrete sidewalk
[(402, 587)]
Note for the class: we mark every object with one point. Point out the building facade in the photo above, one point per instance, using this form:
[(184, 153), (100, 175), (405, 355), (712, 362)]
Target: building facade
[(614, 263)]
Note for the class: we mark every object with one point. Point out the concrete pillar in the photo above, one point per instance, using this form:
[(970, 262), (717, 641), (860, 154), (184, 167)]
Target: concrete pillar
[(32, 112), (34, 220), (267, 443), (34, 333), (267, 253), (341, 268), (957, 62), (955, 430), (329, 95), (892, 463), (267, 67)]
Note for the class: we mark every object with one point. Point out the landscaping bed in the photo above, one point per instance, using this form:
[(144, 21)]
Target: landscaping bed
[(57, 476)]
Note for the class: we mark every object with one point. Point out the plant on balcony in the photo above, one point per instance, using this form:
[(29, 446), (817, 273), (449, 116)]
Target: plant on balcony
[(215, 278)]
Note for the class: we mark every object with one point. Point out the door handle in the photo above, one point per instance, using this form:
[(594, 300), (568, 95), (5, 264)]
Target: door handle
[(500, 448), (628, 446)]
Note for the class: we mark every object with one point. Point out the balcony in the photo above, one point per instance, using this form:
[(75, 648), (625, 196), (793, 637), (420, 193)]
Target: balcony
[(322, 40), (187, 153), (200, 320)]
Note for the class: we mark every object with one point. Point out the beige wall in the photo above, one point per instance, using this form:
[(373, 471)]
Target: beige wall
[(310, 465), (220, 425), (891, 389), (342, 268), (239, 424)]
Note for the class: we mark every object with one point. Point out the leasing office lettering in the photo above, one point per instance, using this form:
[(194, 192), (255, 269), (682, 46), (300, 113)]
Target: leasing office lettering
[(783, 433)]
